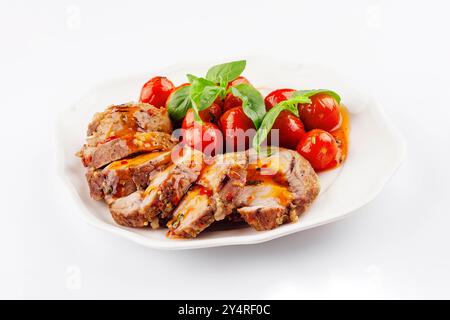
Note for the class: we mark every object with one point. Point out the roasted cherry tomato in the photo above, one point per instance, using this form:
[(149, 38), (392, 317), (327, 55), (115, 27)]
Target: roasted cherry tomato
[(322, 113), (237, 129), (211, 114), (290, 130), (205, 137), (156, 91), (275, 97), (319, 148), (220, 102), (230, 100), (237, 81)]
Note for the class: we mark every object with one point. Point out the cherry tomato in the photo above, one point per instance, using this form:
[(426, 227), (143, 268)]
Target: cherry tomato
[(237, 129), (290, 129), (275, 97), (220, 102), (211, 114), (156, 91), (205, 137), (237, 81), (319, 148), (230, 100), (322, 113)]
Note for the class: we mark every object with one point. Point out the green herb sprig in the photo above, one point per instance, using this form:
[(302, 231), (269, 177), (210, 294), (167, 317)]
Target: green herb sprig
[(202, 92), (290, 105)]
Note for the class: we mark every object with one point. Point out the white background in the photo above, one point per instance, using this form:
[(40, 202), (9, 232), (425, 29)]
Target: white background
[(52, 52)]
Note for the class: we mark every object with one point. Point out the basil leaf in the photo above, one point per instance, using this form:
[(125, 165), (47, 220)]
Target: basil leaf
[(179, 102), (226, 72), (203, 93), (191, 77), (252, 102), (272, 115), (266, 126), (292, 103), (196, 113), (310, 93)]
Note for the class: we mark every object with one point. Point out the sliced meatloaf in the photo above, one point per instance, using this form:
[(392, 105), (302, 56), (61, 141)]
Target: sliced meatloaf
[(119, 148), (211, 198), (194, 213), (168, 188), (159, 199), (265, 205), (280, 186), (121, 120), (122, 177), (120, 131)]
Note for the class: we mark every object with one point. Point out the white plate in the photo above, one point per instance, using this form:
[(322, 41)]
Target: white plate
[(376, 150)]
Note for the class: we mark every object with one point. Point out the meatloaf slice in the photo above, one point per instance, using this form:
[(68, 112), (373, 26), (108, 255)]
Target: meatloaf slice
[(194, 214), (122, 177), (105, 153), (124, 119), (168, 188), (266, 205), (280, 186), (211, 198), (112, 133), (159, 199), (125, 211)]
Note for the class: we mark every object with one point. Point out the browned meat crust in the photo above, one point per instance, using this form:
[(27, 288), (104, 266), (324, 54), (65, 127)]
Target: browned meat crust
[(125, 211), (303, 183), (262, 218)]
